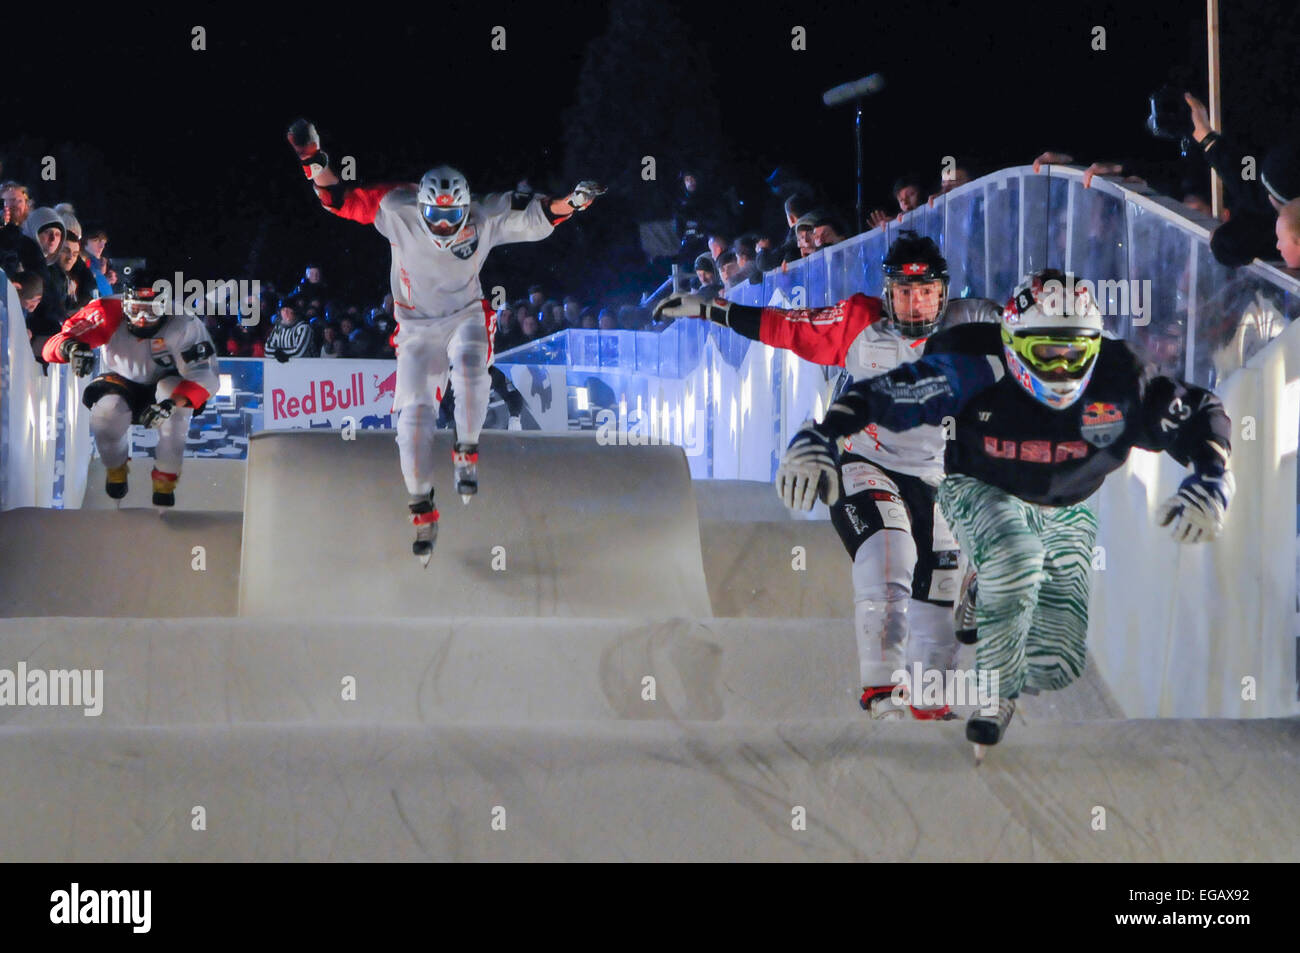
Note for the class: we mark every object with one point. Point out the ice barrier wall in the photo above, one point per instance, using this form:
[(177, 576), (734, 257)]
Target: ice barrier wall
[(1177, 632)]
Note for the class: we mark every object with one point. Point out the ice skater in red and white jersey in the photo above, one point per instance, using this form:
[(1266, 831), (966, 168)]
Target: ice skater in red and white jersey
[(440, 237), (160, 367)]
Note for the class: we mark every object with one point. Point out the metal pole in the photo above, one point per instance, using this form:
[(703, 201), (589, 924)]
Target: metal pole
[(1216, 118), (858, 129)]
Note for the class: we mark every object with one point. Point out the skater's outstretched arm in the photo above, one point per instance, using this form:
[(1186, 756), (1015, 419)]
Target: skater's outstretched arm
[(820, 335), (521, 217), (88, 328), (359, 203), (912, 395)]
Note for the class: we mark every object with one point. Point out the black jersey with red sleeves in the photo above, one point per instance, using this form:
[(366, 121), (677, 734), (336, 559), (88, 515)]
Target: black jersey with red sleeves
[(1004, 437)]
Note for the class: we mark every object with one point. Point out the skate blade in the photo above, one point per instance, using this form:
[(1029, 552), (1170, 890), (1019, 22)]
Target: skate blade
[(424, 560), (980, 752), (466, 497)]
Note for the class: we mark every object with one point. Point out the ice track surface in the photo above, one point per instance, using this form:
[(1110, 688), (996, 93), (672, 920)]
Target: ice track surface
[(522, 690)]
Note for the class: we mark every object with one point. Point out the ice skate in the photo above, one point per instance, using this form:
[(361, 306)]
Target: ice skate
[(115, 483), (424, 517), (164, 489), (879, 702), (465, 459), (942, 713), (964, 614), (985, 730)]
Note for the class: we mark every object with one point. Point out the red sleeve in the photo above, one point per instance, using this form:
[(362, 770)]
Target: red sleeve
[(361, 202), (196, 394), (93, 325), (820, 335)]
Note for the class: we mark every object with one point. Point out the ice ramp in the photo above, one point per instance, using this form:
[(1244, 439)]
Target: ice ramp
[(456, 720), (562, 526), (654, 791), (130, 563)]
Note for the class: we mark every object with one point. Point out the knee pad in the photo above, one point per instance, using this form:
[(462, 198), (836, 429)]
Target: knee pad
[(110, 415), (883, 566)]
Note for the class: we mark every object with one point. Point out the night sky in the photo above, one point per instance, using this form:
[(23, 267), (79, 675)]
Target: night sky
[(181, 154)]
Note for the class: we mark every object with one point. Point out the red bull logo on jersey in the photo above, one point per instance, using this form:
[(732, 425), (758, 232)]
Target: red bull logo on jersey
[(467, 244), (1101, 423)]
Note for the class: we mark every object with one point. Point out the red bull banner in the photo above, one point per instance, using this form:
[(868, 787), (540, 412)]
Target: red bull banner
[(321, 393)]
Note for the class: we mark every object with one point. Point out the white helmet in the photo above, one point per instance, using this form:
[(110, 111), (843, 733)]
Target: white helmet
[(444, 204), (1051, 336)]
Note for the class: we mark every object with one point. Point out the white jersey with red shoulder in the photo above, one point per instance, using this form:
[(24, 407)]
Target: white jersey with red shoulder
[(853, 334), (429, 282), (181, 346)]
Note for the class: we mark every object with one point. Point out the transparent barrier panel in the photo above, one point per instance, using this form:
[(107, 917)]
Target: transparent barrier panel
[(1045, 201), (963, 245), (1236, 318), (1002, 239), (1160, 272), (1098, 247)]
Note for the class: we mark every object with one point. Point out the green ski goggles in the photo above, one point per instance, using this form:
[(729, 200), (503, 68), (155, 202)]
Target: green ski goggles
[(1055, 353)]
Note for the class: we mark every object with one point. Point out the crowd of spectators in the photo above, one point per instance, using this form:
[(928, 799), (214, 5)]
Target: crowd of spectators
[(55, 264), (721, 255)]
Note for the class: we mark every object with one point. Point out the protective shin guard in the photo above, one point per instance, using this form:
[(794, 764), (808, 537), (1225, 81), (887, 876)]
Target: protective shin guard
[(470, 379), (170, 451), (881, 629), (110, 422), (415, 448)]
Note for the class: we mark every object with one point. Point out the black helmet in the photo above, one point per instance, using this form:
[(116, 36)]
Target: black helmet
[(143, 305), (914, 259)]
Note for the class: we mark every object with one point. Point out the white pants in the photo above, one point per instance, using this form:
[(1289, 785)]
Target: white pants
[(429, 353), (110, 425)]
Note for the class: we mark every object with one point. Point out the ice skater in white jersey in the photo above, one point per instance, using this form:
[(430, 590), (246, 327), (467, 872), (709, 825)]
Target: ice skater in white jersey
[(440, 237)]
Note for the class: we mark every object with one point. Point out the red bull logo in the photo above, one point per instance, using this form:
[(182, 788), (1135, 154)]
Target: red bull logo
[(321, 397), (386, 386), (1100, 413)]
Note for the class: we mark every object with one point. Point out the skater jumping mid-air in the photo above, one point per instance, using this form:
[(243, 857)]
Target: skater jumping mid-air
[(1044, 408), (905, 559), (440, 238), (161, 367)]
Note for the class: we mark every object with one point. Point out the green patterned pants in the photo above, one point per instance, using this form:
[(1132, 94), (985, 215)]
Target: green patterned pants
[(1033, 563)]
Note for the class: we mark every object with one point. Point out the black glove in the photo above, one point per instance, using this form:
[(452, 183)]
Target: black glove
[(80, 356), (155, 414), (306, 144), (281, 355)]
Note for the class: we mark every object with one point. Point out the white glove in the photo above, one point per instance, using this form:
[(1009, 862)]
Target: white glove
[(1198, 509), (693, 306), (809, 470), (584, 193)]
